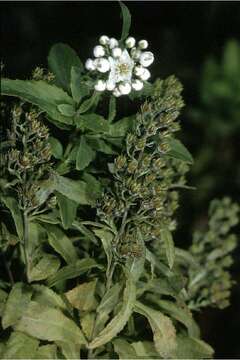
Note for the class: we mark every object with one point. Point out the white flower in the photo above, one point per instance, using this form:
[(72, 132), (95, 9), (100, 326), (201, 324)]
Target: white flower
[(145, 75), (120, 69), (102, 65), (90, 65), (125, 88), (104, 40), (98, 51), (113, 43), (116, 52), (100, 85), (130, 42), (137, 85), (139, 70), (146, 58), (143, 44)]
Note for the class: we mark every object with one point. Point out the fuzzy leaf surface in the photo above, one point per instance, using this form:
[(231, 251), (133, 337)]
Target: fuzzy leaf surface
[(47, 323)]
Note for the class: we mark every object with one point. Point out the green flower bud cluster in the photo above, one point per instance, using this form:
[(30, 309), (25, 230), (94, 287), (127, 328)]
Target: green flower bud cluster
[(145, 177), (210, 282), (26, 158), (42, 74)]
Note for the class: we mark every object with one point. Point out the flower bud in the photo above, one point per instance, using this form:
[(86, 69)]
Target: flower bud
[(146, 58), (139, 70), (89, 65), (137, 85), (100, 85), (135, 53), (143, 44), (125, 88), (117, 52), (104, 40), (98, 51), (113, 43), (130, 42), (102, 65), (145, 75)]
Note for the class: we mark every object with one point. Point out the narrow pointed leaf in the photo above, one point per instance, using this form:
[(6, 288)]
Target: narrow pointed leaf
[(120, 320), (126, 17), (166, 236), (85, 154), (164, 333), (72, 271)]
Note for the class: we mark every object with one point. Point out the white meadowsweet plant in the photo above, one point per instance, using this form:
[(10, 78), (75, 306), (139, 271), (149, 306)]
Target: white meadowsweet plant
[(120, 69)]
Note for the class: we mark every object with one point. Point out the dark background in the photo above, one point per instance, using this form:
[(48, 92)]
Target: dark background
[(181, 35)]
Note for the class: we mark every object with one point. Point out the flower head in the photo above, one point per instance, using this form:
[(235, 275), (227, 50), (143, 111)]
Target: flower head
[(120, 69)]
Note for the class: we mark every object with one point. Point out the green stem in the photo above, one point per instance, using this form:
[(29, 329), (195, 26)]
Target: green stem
[(25, 245)]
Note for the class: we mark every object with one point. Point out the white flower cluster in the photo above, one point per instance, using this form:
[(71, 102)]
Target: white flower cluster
[(126, 68)]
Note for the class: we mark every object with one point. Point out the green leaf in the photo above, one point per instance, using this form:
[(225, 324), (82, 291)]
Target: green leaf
[(82, 296), (108, 303), (181, 314), (87, 104), (88, 324), (112, 109), (164, 333), (56, 147), (66, 109), (109, 300), (119, 321), (179, 151), (124, 349), (47, 297), (61, 58), (12, 205), (47, 352), (166, 236), (79, 88), (47, 323), (47, 97), (61, 243), (121, 127), (106, 238), (72, 271), (69, 350), (191, 348), (68, 210), (46, 266), (101, 146), (75, 190), (93, 122), (85, 154), (3, 299), (126, 16), (231, 59), (145, 350), (20, 346), (94, 188), (85, 231), (16, 303)]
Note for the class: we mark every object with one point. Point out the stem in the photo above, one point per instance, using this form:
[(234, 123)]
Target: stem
[(7, 267), (26, 242)]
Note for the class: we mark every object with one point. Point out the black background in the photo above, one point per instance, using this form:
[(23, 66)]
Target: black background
[(181, 36)]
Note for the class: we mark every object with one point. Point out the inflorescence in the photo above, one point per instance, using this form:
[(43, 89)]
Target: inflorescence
[(120, 69)]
